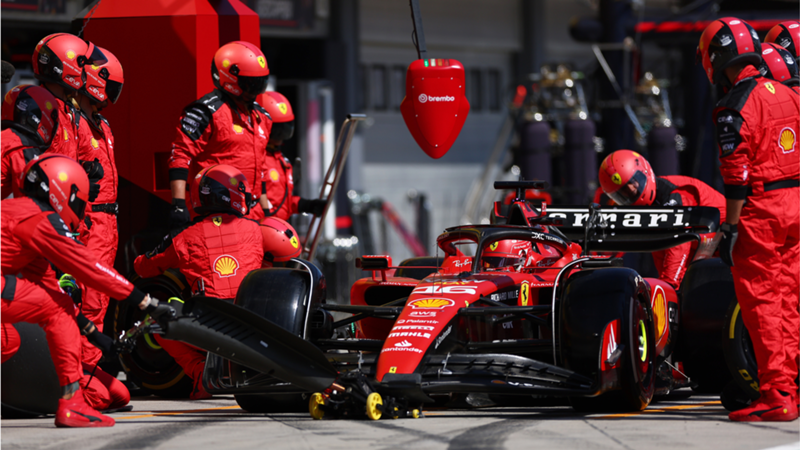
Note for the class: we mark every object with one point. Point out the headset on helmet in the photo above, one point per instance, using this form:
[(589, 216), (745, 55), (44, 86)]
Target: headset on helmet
[(509, 254), (61, 182), (240, 69), (628, 178), (280, 240), (220, 188), (726, 42), (32, 110), (787, 35), (59, 58), (778, 64), (103, 81), (282, 115)]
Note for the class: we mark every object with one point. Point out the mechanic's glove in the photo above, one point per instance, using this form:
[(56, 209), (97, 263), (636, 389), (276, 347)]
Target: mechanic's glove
[(94, 170), (729, 235), (70, 286), (315, 207), (96, 337), (161, 312), (179, 216)]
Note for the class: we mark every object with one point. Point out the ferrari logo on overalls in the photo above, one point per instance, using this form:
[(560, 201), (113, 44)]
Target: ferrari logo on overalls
[(226, 266), (217, 220), (525, 294), (770, 87), (284, 109), (787, 140)]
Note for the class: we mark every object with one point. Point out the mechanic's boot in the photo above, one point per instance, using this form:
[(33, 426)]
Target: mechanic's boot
[(75, 413), (772, 406), (198, 391)]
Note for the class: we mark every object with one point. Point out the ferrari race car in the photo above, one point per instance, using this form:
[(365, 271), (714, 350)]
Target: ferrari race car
[(547, 318)]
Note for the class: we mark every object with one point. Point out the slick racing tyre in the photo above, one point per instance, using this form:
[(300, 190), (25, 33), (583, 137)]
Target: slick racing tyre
[(29, 382), (418, 268), (706, 292), (148, 365), (739, 354), (595, 300)]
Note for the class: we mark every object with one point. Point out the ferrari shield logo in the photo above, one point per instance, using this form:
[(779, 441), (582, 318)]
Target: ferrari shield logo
[(294, 242), (616, 178), (261, 61), (393, 369), (284, 109), (217, 220), (770, 87), (525, 294), (494, 245)]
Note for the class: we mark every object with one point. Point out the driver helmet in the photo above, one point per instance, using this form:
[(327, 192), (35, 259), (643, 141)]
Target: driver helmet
[(280, 240), (779, 64), (61, 182), (103, 81), (508, 255), (280, 110), (787, 35), (221, 188), (31, 110), (240, 69), (628, 179)]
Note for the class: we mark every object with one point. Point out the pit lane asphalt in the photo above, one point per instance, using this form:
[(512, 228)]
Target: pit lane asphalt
[(678, 422)]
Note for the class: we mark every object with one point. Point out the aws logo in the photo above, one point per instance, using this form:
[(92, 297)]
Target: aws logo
[(226, 266), (431, 303)]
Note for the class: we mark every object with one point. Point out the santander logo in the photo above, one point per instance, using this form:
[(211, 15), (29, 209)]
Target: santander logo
[(423, 98)]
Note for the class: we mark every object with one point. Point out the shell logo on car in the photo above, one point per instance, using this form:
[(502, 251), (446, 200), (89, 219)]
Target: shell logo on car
[(226, 266), (432, 303), (659, 310)]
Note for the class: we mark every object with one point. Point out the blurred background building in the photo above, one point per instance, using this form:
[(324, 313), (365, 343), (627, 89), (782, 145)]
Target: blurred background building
[(538, 78)]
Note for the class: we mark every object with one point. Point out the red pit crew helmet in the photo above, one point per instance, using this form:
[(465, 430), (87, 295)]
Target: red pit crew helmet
[(103, 81), (787, 35), (280, 240), (778, 64), (240, 69), (508, 255), (61, 182), (282, 116), (31, 109), (435, 106), (59, 58), (221, 188), (628, 178), (726, 42)]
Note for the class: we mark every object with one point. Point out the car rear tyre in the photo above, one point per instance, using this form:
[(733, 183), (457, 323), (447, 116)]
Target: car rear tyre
[(593, 300), (739, 354)]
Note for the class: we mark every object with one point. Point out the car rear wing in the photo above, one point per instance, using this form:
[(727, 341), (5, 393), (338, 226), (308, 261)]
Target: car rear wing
[(634, 228)]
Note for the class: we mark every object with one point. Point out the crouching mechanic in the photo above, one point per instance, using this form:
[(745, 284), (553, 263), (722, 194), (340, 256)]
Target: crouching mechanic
[(278, 181), (627, 178), (214, 252), (757, 122), (36, 232)]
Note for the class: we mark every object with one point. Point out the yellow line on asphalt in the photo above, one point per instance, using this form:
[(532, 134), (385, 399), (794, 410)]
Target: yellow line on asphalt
[(176, 413), (656, 410)]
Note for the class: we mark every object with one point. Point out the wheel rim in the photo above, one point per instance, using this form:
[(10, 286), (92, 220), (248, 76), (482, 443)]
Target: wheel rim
[(373, 410), (642, 341), (315, 403)]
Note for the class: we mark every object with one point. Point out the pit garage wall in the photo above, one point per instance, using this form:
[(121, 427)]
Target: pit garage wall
[(487, 37)]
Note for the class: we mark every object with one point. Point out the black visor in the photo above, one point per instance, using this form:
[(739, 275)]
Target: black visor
[(281, 131), (113, 90), (77, 205), (628, 193), (252, 86)]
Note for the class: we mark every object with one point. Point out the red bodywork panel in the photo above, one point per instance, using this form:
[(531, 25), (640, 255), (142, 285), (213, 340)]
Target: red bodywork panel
[(435, 106)]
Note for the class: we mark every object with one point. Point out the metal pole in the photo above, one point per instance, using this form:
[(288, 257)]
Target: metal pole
[(419, 33)]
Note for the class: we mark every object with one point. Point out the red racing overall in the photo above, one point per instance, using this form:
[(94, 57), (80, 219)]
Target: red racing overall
[(33, 237), (18, 151), (279, 185), (757, 124), (65, 140), (213, 131), (219, 249), (673, 191)]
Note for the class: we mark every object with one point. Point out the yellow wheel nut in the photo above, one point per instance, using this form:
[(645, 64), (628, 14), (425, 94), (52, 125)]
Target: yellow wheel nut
[(373, 410), (315, 403)]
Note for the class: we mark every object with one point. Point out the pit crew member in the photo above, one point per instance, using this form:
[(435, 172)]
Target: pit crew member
[(779, 65), (787, 35), (628, 179), (278, 181), (214, 252), (757, 122), (36, 232), (29, 121), (226, 126)]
